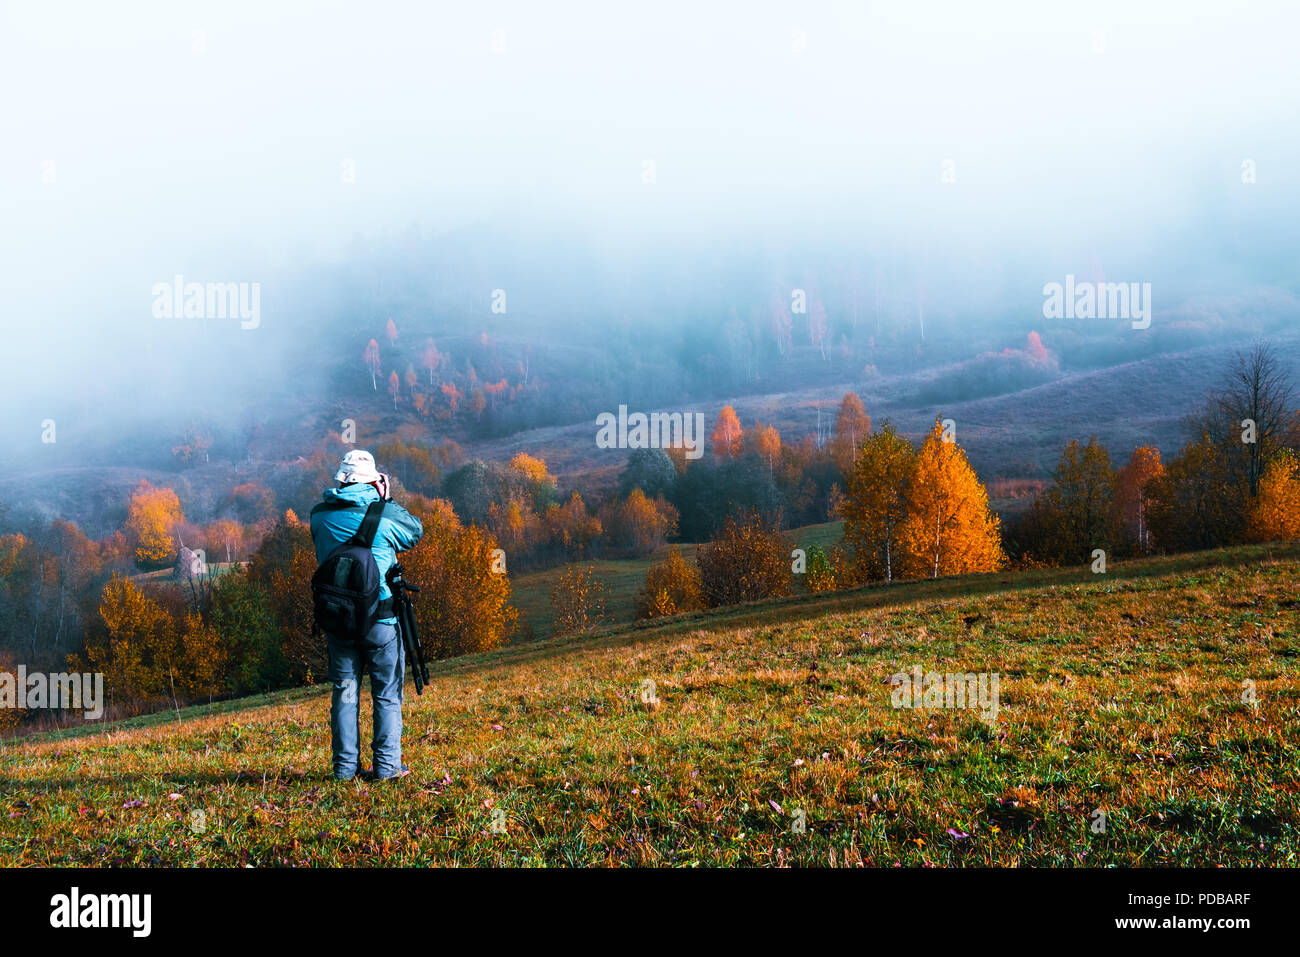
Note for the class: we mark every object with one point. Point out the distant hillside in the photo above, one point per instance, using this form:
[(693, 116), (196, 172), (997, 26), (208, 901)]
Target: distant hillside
[(1015, 435), (1018, 434)]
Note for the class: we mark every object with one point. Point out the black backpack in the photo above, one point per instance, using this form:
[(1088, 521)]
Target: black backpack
[(345, 589)]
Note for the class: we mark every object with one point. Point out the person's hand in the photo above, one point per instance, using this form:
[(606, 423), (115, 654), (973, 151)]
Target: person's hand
[(381, 486)]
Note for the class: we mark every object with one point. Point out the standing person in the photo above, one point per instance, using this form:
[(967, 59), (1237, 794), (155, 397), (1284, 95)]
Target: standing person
[(340, 521)]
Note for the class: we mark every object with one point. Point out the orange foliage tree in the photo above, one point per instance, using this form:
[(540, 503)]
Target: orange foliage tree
[(1129, 504), (639, 523), (515, 525), (767, 444), (531, 467), (569, 526), (727, 434), (205, 657), (151, 517), (429, 358), (1275, 513), (463, 605), (852, 426), (949, 529), (224, 538), (138, 650)]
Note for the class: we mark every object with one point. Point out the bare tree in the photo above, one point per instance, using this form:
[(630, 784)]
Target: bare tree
[(1256, 399)]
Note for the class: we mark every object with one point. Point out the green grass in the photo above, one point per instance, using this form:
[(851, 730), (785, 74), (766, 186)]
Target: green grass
[(1120, 692)]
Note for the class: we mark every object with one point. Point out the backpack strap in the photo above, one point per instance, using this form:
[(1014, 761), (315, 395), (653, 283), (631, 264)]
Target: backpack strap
[(365, 536)]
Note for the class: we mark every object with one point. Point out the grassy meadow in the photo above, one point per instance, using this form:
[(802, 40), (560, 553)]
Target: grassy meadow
[(1121, 692)]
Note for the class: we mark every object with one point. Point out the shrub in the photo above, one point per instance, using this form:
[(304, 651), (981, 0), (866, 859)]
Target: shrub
[(823, 573), (672, 586), (749, 561), (578, 601)]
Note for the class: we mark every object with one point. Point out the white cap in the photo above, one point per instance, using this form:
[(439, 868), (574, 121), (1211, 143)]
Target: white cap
[(357, 466)]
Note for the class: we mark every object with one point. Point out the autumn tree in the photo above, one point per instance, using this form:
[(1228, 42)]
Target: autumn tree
[(193, 447), (429, 358), (371, 359), (464, 602), (1081, 495), (24, 581), (1035, 349), (137, 649), (949, 529), (1275, 513), (68, 574), (413, 465), (727, 434), (852, 426), (151, 518), (9, 717), (390, 331), (394, 386), (251, 502), (532, 468), (1198, 501), (204, 657), (515, 526), (1129, 505), (281, 565), (875, 504), (453, 395), (819, 328), (1259, 391), (639, 523), (570, 527), (671, 587), (749, 561), (528, 476), (224, 537), (767, 444)]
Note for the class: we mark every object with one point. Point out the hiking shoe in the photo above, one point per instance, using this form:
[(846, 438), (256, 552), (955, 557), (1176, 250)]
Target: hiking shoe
[(365, 774)]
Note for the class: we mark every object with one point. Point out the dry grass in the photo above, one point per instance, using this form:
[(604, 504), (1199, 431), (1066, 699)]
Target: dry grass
[(1120, 692)]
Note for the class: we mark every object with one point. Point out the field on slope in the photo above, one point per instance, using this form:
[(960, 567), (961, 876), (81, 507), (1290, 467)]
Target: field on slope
[(531, 592), (1121, 693)]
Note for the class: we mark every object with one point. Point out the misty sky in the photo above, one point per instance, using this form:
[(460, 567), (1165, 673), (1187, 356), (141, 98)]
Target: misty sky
[(142, 140)]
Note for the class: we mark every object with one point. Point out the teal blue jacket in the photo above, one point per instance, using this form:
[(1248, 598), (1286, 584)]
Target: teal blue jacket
[(398, 530)]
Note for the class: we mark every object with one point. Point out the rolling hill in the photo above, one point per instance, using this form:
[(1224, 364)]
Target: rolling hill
[(1164, 695)]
